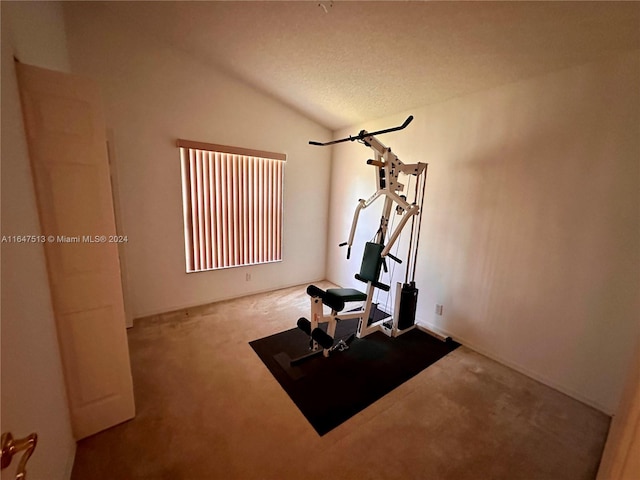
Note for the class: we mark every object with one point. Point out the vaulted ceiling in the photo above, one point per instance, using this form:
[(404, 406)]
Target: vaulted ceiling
[(343, 62)]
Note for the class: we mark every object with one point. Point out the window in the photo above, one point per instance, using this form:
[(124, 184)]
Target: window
[(232, 203)]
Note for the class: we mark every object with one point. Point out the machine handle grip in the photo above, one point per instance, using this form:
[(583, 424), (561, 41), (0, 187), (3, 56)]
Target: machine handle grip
[(376, 284), (348, 249), (394, 258)]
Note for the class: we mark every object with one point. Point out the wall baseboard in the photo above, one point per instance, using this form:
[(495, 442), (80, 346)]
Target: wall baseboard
[(520, 369), (221, 299), (469, 344)]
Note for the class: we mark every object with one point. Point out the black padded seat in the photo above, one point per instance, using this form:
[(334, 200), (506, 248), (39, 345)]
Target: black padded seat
[(348, 294)]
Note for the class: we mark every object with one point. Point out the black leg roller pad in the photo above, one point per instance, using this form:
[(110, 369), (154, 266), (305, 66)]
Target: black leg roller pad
[(324, 339), (304, 325)]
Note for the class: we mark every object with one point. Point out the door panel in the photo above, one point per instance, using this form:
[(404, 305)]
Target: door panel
[(621, 457), (100, 378), (67, 146)]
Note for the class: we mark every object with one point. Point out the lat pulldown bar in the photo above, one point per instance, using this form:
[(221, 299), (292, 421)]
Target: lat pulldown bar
[(364, 134), (388, 168)]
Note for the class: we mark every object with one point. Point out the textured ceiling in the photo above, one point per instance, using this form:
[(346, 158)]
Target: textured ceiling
[(364, 60)]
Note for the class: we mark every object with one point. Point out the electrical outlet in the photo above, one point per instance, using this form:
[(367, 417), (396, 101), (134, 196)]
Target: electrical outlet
[(438, 309), (248, 277)]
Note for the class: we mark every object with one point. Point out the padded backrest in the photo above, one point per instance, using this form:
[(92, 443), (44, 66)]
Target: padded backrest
[(371, 262)]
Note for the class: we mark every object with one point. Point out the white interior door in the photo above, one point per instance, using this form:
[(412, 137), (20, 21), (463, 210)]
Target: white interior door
[(66, 136), (621, 457), (113, 169)]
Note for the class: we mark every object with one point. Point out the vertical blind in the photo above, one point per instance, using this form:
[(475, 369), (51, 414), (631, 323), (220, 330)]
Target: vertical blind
[(232, 203)]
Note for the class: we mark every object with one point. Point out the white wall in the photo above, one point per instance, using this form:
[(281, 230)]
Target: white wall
[(154, 95), (530, 237), (33, 395)]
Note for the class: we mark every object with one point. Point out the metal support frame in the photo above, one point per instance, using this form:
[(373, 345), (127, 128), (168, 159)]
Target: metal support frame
[(388, 170), (318, 317)]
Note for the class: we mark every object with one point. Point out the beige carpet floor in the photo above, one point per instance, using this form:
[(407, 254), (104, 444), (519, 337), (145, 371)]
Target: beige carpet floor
[(207, 408)]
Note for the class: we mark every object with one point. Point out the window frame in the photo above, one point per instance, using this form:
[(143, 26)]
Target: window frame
[(247, 238)]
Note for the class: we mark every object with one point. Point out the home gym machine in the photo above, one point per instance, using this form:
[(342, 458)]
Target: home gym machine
[(389, 169)]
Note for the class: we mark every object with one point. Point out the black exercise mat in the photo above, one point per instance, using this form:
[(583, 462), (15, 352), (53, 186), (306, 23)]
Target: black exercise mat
[(329, 391)]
